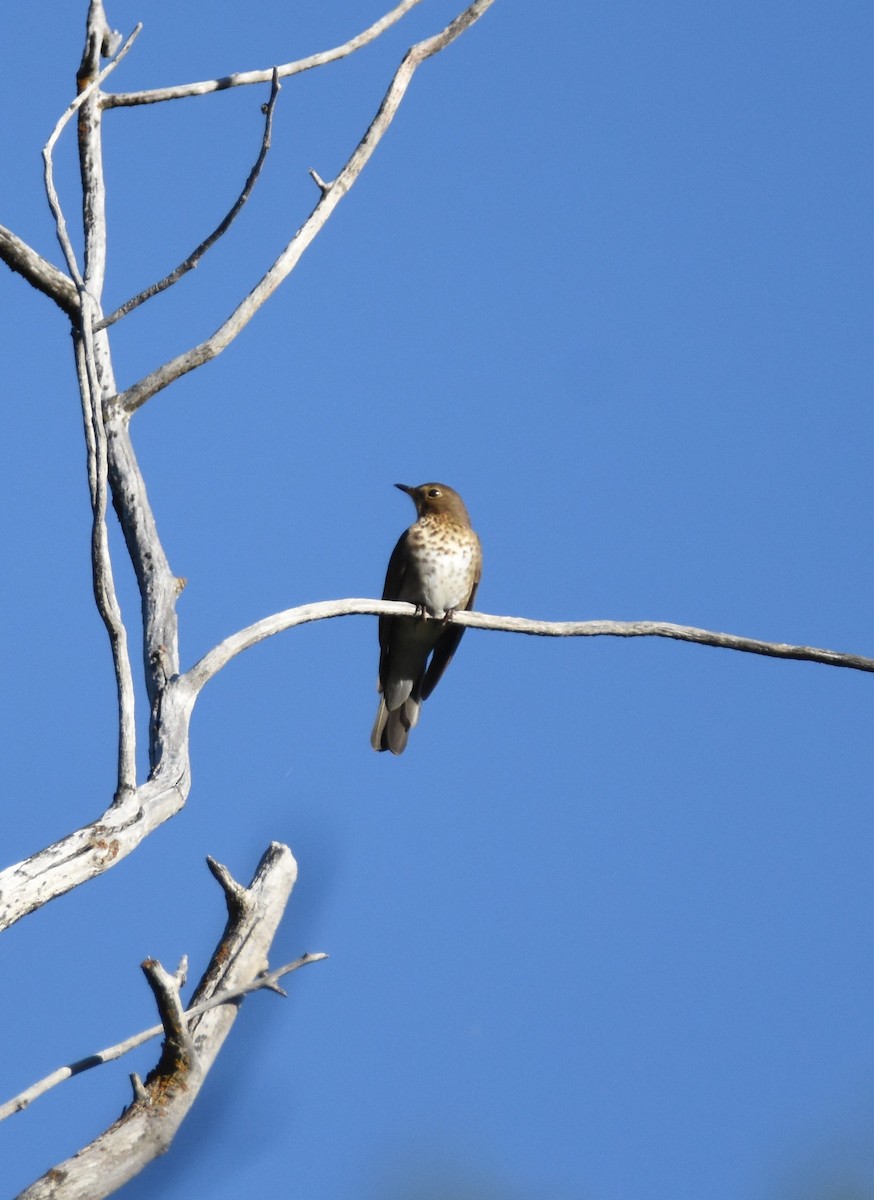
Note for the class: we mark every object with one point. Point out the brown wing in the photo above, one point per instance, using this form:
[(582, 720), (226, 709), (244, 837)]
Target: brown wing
[(394, 579), (444, 650)]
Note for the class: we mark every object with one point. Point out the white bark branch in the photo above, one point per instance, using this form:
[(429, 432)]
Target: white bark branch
[(156, 95), (331, 195), (167, 989), (221, 655), (102, 577), (149, 1125)]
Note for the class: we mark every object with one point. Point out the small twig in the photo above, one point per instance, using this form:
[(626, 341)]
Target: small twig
[(237, 898), (103, 579), (323, 187), (156, 95), (221, 655), (165, 987), (89, 384), (196, 255)]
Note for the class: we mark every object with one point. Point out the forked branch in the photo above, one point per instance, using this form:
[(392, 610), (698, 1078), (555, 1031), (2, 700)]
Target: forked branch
[(192, 1042)]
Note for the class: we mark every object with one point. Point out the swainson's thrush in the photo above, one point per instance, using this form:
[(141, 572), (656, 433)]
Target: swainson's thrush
[(436, 565)]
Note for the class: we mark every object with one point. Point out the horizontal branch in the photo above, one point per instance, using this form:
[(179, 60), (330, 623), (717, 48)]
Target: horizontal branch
[(38, 271), (323, 610), (204, 87)]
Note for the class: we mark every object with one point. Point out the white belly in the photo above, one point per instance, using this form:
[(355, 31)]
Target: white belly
[(442, 580)]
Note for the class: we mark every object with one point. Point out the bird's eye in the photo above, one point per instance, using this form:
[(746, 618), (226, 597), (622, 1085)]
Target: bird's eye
[(434, 491)]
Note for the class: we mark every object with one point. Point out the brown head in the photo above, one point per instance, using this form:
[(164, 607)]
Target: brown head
[(436, 499)]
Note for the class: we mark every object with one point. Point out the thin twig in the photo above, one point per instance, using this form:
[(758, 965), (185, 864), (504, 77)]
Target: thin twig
[(137, 395), (221, 655), (196, 255), (103, 579), (166, 990), (156, 95)]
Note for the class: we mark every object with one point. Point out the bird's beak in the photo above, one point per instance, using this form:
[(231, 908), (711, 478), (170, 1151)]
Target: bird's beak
[(405, 487)]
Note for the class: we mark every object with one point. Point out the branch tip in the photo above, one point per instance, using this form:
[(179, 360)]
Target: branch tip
[(165, 988), (323, 187), (237, 898)]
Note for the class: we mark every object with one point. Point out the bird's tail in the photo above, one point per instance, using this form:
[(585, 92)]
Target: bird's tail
[(391, 728)]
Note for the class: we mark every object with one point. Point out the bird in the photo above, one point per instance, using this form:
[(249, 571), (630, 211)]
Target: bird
[(436, 565)]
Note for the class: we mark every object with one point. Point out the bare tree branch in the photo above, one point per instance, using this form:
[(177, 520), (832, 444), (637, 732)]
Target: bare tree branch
[(149, 1125), (39, 272), (221, 655), (331, 195), (196, 255), (155, 95)]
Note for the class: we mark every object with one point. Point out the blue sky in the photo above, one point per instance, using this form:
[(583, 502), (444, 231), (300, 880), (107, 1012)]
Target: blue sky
[(605, 930)]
